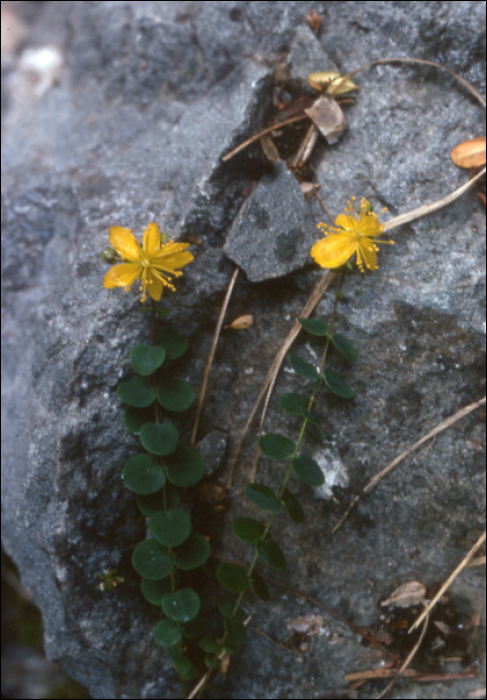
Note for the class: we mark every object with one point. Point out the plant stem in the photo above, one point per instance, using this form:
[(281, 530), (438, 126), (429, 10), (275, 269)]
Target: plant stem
[(282, 488)]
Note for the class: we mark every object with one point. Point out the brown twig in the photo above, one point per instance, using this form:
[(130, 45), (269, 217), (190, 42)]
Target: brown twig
[(450, 580), (439, 428), (256, 137), (211, 354)]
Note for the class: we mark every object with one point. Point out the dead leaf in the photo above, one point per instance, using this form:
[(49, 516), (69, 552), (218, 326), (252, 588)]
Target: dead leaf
[(443, 627), (308, 189), (328, 117), (241, 322), (308, 624), (407, 595), (470, 154), (482, 198), (331, 82), (269, 148), (314, 20)]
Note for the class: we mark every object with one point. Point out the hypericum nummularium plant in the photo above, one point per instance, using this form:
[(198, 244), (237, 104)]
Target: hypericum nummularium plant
[(163, 467)]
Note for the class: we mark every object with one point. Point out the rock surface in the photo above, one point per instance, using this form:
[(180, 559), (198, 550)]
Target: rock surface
[(124, 120)]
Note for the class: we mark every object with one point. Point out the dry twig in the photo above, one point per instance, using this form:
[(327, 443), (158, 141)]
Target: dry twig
[(439, 428)]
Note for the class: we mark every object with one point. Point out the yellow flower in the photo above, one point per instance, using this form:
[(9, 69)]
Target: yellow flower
[(351, 235), (153, 263)]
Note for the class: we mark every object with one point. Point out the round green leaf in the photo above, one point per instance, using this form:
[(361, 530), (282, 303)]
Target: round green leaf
[(292, 506), (294, 403), (226, 608), (153, 591), (151, 561), (181, 606), (175, 394), (314, 326), (263, 497), (184, 668), (303, 368), (192, 553), (259, 586), (337, 385), (172, 342), (307, 470), (136, 391), (185, 467), (160, 439), (236, 634), (170, 527), (248, 530), (195, 628), (344, 346), (167, 634), (209, 644), (145, 359), (154, 501), (135, 418), (143, 474), (276, 446), (272, 554), (233, 577)]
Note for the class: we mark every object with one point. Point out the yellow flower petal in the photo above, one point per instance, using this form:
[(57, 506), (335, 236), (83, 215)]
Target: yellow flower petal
[(123, 275), (368, 250), (152, 239), (125, 243), (333, 251)]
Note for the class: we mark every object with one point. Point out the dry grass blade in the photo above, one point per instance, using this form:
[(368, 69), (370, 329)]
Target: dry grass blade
[(270, 379), (439, 428), (419, 61), (211, 355), (450, 580), (256, 137), (434, 206), (479, 561)]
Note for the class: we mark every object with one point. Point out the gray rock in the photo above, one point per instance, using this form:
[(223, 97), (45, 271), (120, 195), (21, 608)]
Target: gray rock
[(132, 129)]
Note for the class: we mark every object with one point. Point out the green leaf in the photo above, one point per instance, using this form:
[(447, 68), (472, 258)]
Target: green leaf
[(226, 609), (145, 359), (135, 418), (293, 506), (154, 501), (167, 634), (153, 591), (172, 342), (143, 474), (175, 394), (236, 633), (159, 440), (192, 553), (136, 391), (233, 577), (276, 446), (184, 668), (307, 470), (294, 403), (272, 554), (259, 586), (248, 530), (337, 385), (170, 527), (185, 467), (263, 497), (209, 644), (314, 326), (151, 561), (303, 368), (344, 346), (195, 628), (181, 606)]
